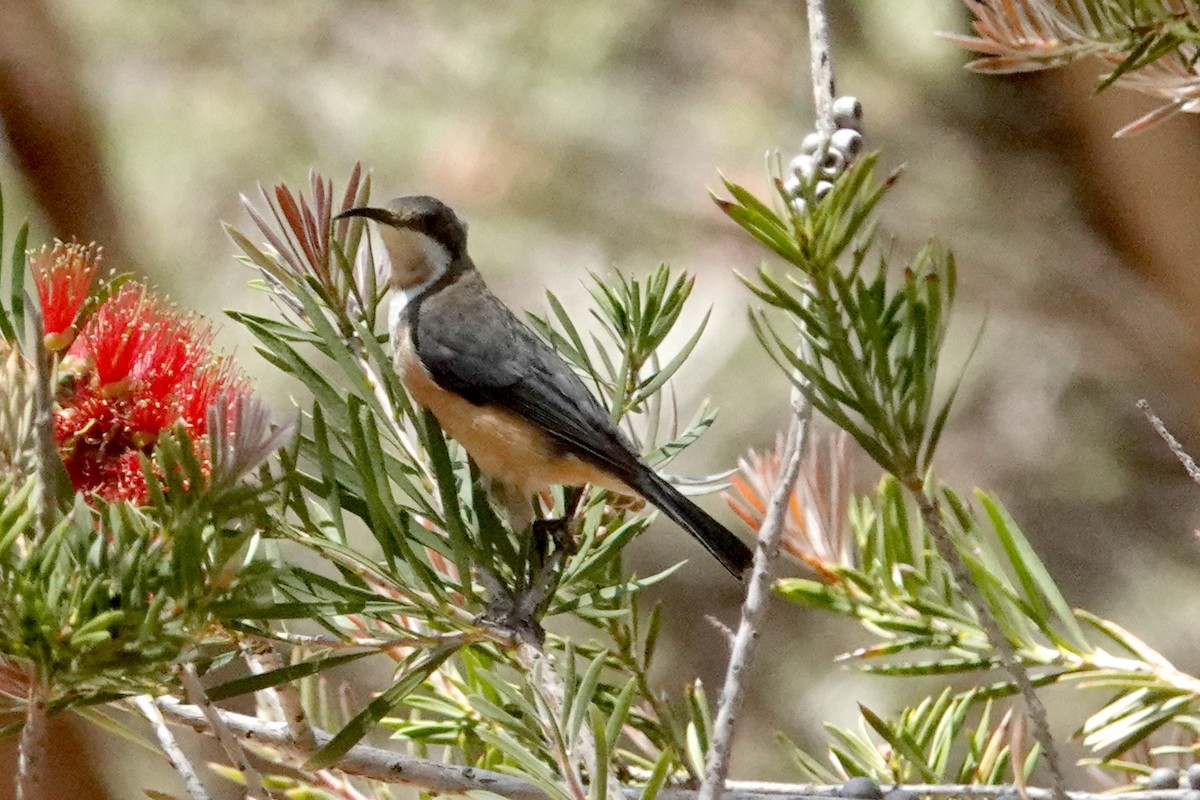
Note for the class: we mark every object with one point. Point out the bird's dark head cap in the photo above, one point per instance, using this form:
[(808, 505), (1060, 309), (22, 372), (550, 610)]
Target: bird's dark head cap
[(422, 214)]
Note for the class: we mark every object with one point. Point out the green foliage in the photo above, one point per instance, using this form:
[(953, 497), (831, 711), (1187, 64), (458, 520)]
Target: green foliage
[(635, 318), (905, 597), (868, 359), (509, 725), (1132, 35), (945, 739), (13, 302), (1146, 45), (111, 596), (869, 352)]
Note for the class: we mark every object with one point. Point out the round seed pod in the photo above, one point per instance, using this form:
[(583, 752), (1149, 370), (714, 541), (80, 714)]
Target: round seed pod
[(832, 164), (862, 788), (803, 166), (848, 112), (811, 143), (1193, 776), (848, 142), (799, 205), (821, 189), (1163, 778), (792, 186)]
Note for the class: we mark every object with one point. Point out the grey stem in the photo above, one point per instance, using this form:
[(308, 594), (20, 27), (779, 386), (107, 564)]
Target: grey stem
[(931, 515), (822, 67)]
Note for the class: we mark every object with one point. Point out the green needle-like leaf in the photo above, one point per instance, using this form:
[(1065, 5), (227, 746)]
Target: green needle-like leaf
[(381, 706)]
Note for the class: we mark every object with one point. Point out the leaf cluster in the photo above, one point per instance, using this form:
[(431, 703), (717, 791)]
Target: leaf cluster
[(1149, 45), (905, 597), (868, 359), (105, 604), (634, 317), (500, 722), (869, 353), (949, 738)]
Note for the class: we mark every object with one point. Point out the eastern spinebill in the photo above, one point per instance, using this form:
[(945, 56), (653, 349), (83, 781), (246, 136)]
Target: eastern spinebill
[(505, 395)]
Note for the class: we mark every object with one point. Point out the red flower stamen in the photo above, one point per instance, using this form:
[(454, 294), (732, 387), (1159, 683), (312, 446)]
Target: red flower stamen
[(115, 336), (63, 276)]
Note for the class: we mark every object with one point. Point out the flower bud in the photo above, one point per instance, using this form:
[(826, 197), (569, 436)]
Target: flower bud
[(804, 167), (848, 112), (848, 142)]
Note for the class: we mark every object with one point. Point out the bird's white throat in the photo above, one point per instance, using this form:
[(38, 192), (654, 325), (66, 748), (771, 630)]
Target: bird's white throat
[(417, 262)]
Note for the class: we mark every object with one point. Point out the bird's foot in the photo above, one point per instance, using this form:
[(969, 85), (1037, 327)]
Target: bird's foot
[(511, 616), (556, 531)]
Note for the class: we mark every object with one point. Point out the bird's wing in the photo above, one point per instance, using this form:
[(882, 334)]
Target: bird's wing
[(473, 346)]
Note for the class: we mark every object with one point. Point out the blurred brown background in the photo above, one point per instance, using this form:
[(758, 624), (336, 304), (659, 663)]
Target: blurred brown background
[(584, 136)]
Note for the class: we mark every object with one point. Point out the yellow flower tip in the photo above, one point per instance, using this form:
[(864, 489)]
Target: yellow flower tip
[(143, 439), (115, 389), (57, 342)]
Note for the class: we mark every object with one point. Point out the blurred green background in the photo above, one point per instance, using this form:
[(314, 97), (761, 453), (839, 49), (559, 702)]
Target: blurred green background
[(584, 136)]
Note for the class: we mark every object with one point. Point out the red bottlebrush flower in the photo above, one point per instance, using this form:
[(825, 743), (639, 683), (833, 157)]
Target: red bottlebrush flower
[(63, 275), (148, 367)]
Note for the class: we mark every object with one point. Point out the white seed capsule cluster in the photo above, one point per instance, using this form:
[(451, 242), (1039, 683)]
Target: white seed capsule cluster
[(822, 160)]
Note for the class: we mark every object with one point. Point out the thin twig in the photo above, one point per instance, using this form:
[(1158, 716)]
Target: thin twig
[(390, 767), (387, 766), (339, 786), (822, 67), (754, 610), (261, 659), (32, 745), (1189, 463), (31, 750), (931, 515), (284, 699), (171, 748), (753, 790), (225, 737), (362, 760)]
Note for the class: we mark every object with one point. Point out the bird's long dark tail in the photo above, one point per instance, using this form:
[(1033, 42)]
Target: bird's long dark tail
[(733, 554)]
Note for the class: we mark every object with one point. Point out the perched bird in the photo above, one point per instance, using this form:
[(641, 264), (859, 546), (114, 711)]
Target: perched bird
[(505, 395)]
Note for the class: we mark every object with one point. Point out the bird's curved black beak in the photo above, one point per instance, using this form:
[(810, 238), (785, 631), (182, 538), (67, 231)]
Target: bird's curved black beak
[(381, 215)]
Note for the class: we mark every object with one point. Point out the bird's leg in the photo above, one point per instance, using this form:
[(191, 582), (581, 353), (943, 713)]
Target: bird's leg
[(557, 530), (553, 532), (513, 608), (554, 542), (509, 613), (550, 542)]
